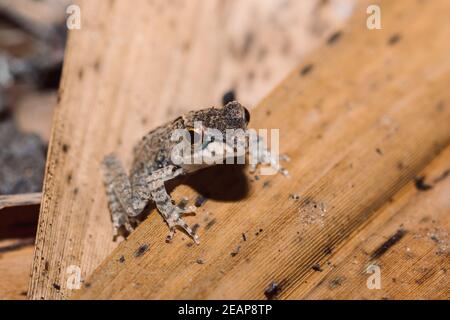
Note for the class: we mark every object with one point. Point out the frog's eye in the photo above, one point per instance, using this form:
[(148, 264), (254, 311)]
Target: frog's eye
[(194, 135), (246, 116)]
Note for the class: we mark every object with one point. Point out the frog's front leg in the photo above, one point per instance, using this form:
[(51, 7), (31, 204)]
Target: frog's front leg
[(260, 154), (171, 213), (127, 199)]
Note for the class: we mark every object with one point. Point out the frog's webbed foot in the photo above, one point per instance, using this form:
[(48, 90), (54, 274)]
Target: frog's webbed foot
[(171, 213), (260, 154), (175, 221)]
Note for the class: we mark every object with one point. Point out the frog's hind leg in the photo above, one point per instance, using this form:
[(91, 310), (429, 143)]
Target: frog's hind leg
[(125, 202), (119, 216), (171, 213)]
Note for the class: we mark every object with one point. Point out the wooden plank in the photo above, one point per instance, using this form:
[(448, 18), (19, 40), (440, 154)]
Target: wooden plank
[(16, 200), (408, 240), (359, 119), (130, 68), (15, 262)]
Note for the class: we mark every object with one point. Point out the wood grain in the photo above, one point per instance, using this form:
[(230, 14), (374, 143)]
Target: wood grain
[(360, 119), (132, 67)]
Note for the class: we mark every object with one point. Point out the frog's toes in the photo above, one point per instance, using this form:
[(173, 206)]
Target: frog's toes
[(122, 226), (284, 157), (180, 223), (284, 172)]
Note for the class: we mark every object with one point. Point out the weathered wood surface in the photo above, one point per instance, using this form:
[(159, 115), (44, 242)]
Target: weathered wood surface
[(408, 239), (132, 67), (360, 119), (15, 262)]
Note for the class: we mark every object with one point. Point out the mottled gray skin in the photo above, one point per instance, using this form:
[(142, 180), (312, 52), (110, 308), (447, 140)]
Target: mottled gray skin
[(152, 166), (153, 152)]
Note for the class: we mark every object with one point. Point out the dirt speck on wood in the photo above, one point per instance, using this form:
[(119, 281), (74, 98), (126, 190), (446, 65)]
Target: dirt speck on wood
[(235, 251), (316, 267), (396, 237), (272, 290), (200, 201), (421, 185), (141, 250)]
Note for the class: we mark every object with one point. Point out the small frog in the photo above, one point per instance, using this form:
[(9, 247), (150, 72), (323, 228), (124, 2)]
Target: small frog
[(153, 164)]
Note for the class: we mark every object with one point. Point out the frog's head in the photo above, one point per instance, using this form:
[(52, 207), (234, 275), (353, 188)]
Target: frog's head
[(217, 134), (232, 116)]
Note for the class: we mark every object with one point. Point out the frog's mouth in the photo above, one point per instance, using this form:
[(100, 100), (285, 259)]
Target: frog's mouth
[(222, 150)]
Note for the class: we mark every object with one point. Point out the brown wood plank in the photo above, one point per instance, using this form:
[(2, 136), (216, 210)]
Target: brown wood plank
[(133, 66), (359, 119)]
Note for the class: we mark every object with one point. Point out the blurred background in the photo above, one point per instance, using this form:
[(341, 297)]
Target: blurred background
[(32, 40), (261, 41)]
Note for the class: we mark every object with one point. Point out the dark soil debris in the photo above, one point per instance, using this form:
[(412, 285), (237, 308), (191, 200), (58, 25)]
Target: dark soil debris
[(388, 244), (434, 238), (294, 196), (65, 148), (306, 70), (316, 267), (394, 39), (235, 251), (210, 224), (336, 282), (141, 250), (334, 37), (200, 201), (272, 291), (421, 185)]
